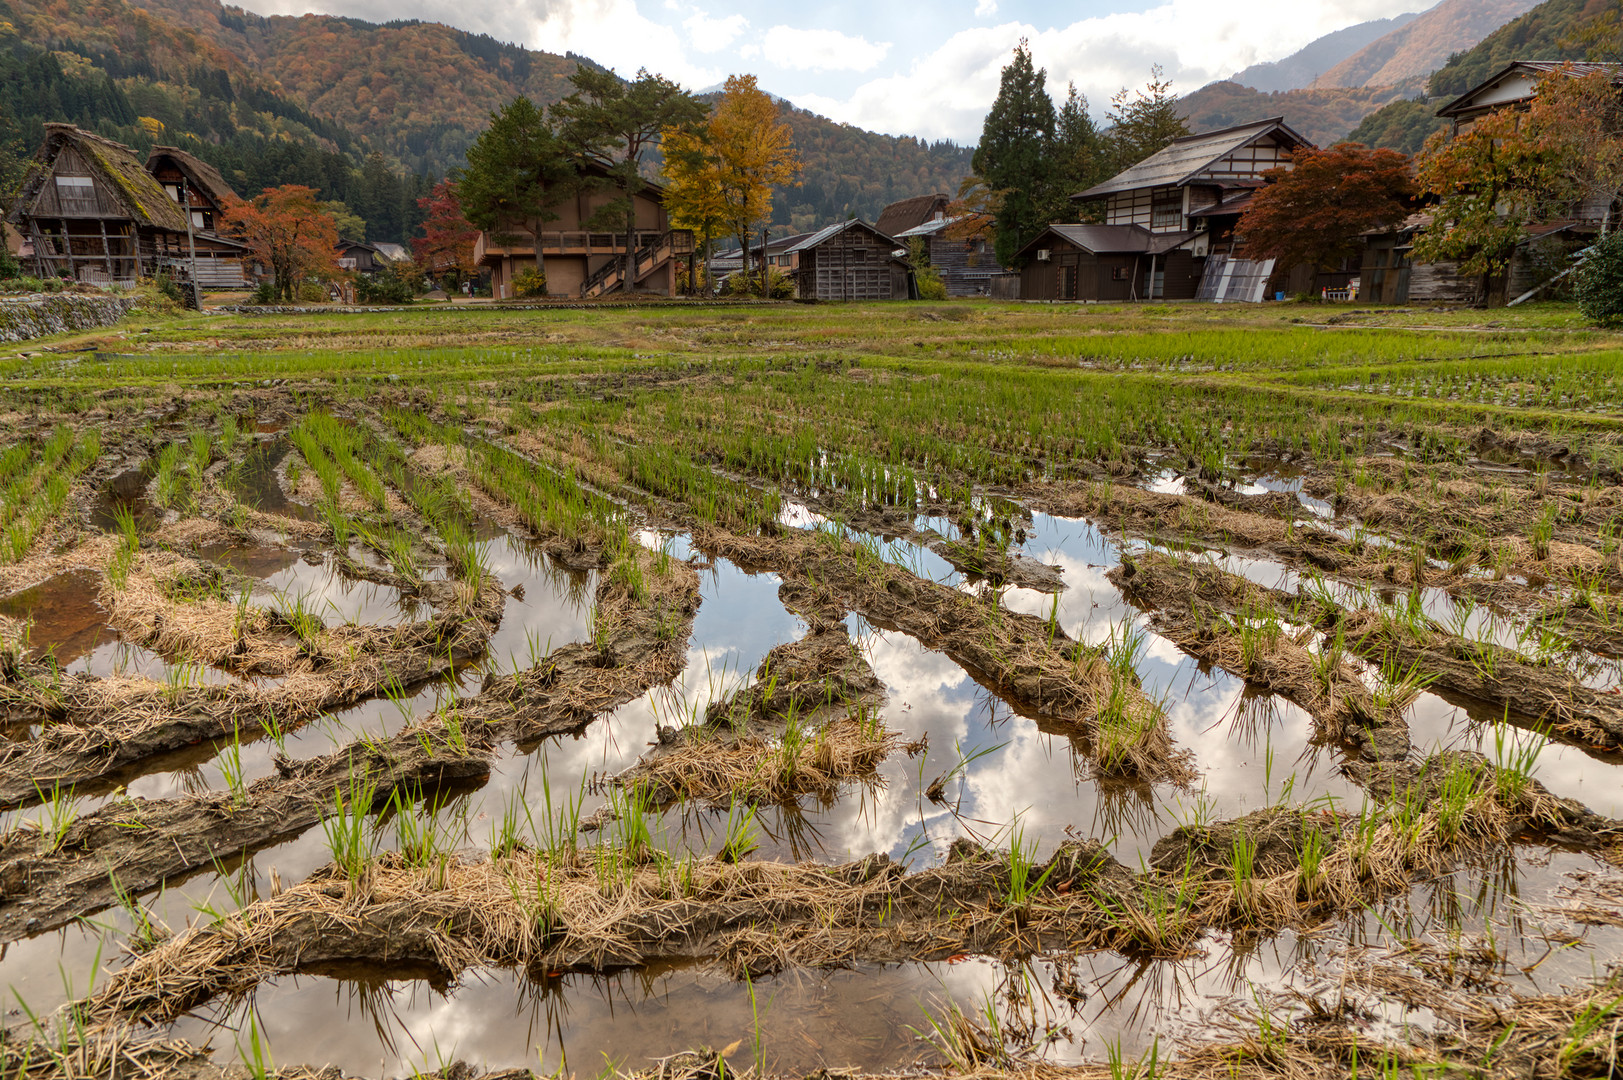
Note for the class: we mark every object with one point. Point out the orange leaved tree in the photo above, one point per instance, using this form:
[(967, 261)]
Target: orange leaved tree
[(1317, 211), (286, 230)]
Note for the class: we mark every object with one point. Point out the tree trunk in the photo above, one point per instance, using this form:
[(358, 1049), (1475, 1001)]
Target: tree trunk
[(631, 239), (707, 276)]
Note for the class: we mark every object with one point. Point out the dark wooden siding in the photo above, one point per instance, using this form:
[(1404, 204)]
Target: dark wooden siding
[(851, 265)]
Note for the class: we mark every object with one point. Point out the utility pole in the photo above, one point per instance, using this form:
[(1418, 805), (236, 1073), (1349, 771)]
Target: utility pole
[(193, 291)]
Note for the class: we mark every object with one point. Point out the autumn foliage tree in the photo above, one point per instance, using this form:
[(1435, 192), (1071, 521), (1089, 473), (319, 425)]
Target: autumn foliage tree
[(723, 173), (1517, 166), (1316, 211), (446, 246), (286, 230)]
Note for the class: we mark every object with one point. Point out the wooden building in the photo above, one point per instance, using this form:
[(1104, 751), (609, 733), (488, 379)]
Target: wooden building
[(1388, 273), (361, 257), (91, 212), (1108, 262), (966, 266), (582, 262), (851, 261), (203, 193), (1169, 214)]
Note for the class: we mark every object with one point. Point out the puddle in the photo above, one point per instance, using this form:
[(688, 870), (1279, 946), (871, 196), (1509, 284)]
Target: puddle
[(256, 483), (68, 622), (126, 491)]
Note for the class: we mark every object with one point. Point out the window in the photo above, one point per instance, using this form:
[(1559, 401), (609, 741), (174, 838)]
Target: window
[(201, 219), (1166, 209), (1118, 273), (173, 190), (76, 194)]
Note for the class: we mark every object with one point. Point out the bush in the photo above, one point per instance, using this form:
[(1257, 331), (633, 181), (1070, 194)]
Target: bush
[(1599, 289), (529, 283), (312, 292), (398, 283), (780, 286), (931, 287), (9, 266), (168, 288), (264, 294)]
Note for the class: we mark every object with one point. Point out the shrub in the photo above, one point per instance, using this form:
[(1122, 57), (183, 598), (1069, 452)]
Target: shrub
[(168, 288), (530, 282), (397, 283), (9, 266), (780, 286), (264, 294), (1599, 289), (312, 292)]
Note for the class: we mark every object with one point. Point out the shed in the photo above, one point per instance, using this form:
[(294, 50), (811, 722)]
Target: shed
[(850, 261)]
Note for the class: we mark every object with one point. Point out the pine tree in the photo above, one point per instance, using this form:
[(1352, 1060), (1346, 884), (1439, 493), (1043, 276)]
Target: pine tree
[(1145, 124), (1078, 155), (1015, 153), (518, 170)]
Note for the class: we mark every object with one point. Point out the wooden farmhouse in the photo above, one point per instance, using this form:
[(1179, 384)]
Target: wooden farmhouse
[(966, 266), (361, 257), (582, 262), (91, 211), (1389, 275), (1167, 223), (851, 261), (203, 193)]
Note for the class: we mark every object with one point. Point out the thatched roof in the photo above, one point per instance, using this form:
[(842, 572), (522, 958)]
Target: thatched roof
[(899, 217), (142, 198), (199, 172)]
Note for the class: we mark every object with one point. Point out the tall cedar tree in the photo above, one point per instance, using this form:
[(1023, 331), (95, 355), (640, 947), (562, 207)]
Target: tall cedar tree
[(1079, 155), (286, 230), (446, 246), (1514, 167), (614, 123), (1144, 124), (725, 173), (1316, 210), (1014, 157), (517, 171)]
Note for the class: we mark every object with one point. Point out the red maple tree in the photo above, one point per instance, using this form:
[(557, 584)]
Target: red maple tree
[(286, 230), (1316, 210), (446, 245)]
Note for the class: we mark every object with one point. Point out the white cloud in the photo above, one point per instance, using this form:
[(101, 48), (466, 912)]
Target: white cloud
[(983, 8), (707, 34), (821, 50), (946, 94)]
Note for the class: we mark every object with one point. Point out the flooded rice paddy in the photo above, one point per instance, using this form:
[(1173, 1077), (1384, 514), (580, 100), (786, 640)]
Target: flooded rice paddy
[(382, 737)]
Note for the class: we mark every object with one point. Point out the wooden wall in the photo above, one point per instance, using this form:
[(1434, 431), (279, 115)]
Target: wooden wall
[(854, 264)]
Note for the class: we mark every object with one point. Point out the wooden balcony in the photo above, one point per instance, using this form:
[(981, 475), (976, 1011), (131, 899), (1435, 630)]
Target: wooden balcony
[(578, 242)]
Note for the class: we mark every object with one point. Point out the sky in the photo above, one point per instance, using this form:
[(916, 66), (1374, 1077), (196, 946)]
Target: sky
[(927, 69)]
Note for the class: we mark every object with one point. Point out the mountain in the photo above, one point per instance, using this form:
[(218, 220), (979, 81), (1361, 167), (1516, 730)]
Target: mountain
[(1322, 115), (1544, 33), (1403, 125), (1303, 67), (306, 99), (1423, 44)]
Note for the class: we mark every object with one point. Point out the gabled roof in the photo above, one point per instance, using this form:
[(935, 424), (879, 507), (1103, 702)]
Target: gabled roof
[(906, 214), (1233, 202), (822, 236), (1184, 159), (780, 245), (142, 198), (1535, 68), (1111, 239), (199, 172)]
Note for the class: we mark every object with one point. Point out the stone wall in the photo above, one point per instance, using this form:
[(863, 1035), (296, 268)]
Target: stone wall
[(44, 314)]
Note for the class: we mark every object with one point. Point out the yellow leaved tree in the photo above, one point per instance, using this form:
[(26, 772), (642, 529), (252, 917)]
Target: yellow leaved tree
[(721, 175)]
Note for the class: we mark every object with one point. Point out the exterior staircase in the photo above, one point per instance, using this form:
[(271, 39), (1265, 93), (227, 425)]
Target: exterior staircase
[(644, 261)]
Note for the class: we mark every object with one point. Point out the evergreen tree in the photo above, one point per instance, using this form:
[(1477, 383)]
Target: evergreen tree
[(1146, 123), (1015, 153), (518, 170), (1078, 155)]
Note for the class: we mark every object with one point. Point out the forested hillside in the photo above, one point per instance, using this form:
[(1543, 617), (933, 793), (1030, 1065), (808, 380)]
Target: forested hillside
[(370, 114), (1324, 116), (1548, 32)]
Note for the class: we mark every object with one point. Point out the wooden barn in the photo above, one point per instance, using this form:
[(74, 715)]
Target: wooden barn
[(203, 193), (851, 261), (91, 212), (587, 263), (966, 266), (1107, 262)]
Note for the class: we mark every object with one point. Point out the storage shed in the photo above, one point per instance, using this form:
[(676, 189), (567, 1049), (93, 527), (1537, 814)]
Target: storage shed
[(1108, 262), (850, 261)]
